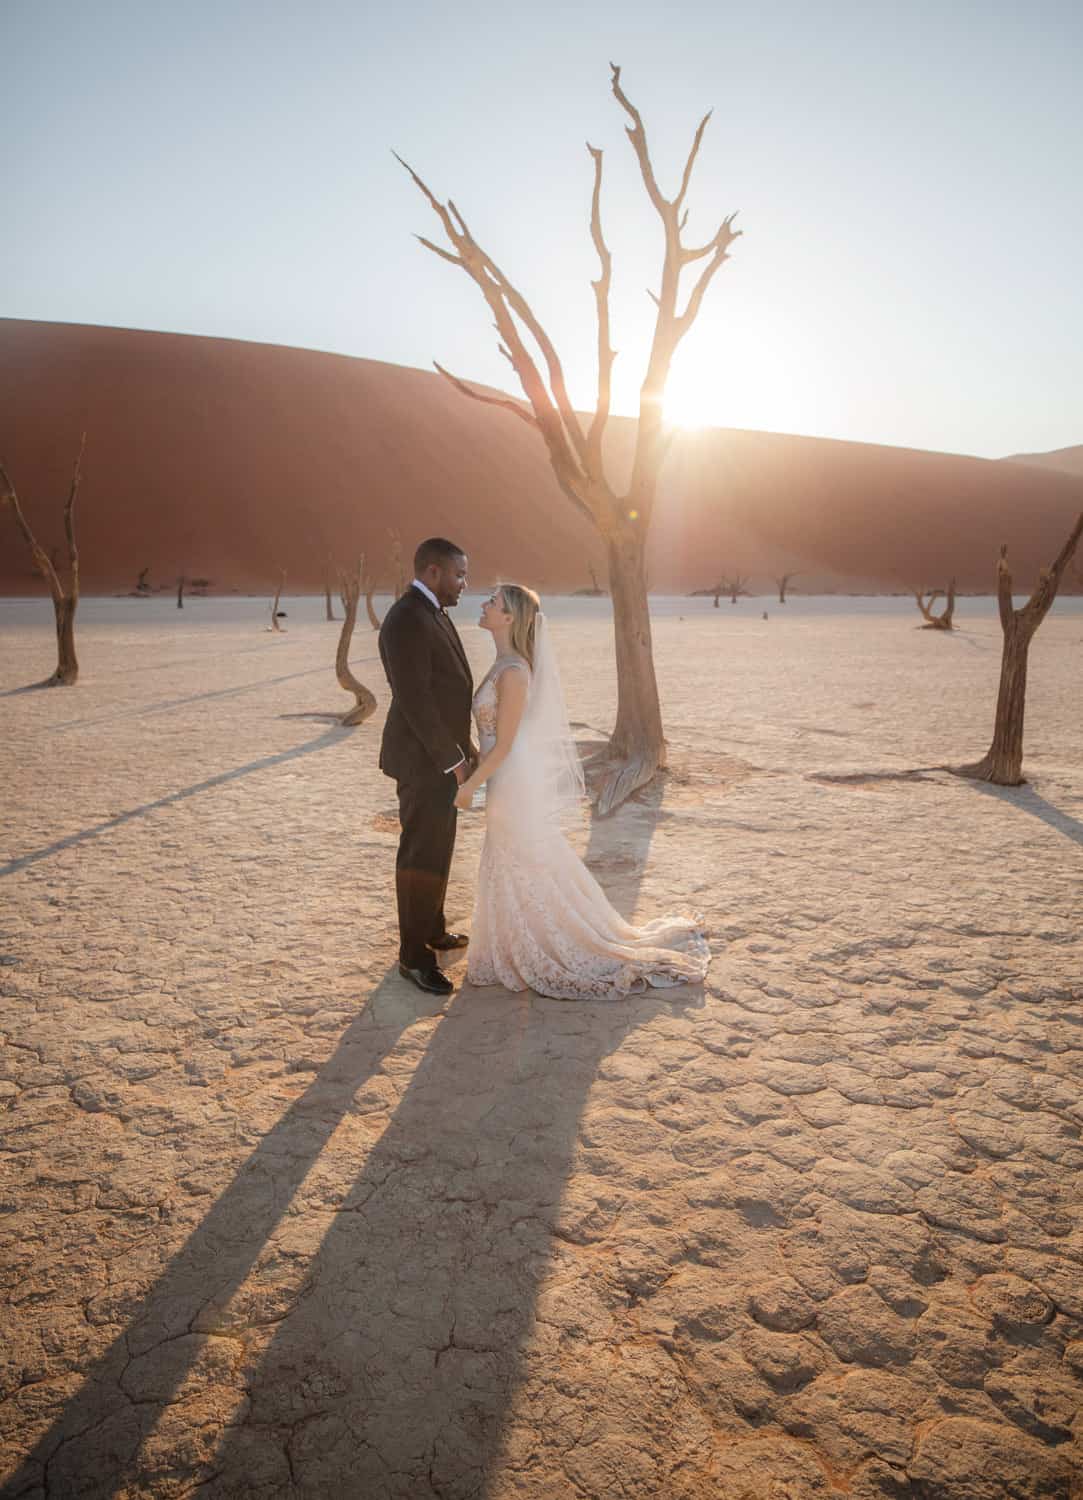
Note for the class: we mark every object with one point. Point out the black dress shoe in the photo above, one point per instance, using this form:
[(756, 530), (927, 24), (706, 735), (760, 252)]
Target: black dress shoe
[(433, 980), (450, 940)]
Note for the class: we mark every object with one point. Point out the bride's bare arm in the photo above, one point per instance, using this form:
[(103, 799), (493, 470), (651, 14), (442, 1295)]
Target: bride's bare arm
[(511, 690)]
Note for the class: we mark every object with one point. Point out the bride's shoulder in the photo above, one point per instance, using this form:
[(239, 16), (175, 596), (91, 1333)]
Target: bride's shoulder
[(511, 662)]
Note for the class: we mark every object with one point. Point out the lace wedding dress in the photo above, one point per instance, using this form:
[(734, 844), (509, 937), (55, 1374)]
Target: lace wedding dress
[(541, 920)]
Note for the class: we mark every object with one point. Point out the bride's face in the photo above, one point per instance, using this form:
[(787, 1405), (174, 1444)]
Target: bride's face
[(493, 613)]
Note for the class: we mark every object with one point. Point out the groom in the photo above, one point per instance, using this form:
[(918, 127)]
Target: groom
[(426, 748)]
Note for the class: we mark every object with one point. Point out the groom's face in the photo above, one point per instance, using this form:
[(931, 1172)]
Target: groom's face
[(448, 579)]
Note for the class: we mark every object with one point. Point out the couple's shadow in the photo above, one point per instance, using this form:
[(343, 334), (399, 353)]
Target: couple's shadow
[(402, 1297)]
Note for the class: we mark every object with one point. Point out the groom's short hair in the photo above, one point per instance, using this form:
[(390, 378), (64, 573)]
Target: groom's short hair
[(437, 549)]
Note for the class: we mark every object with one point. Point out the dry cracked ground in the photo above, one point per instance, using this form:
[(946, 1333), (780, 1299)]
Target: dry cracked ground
[(275, 1226)]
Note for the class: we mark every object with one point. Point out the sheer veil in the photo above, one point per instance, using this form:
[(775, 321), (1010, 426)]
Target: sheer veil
[(543, 769)]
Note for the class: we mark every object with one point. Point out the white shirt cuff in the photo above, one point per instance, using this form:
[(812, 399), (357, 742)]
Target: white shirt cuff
[(460, 762)]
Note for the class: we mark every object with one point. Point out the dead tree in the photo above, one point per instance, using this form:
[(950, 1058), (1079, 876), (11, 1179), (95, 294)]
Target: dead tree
[(734, 587), (142, 586), (327, 587), (398, 577), (783, 582), (925, 600), (637, 747), (595, 591), (1003, 762), (274, 625), (181, 581), (65, 601), (350, 588), (370, 607)]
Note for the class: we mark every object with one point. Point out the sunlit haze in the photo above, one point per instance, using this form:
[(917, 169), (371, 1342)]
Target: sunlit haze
[(907, 181)]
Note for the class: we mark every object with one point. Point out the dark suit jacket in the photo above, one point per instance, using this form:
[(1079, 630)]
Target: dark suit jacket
[(428, 724)]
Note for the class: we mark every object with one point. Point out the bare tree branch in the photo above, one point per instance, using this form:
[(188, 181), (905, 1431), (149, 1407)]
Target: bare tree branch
[(601, 297), (721, 243), (505, 401), (689, 164), (638, 137), (1049, 579), (436, 250), (41, 560)]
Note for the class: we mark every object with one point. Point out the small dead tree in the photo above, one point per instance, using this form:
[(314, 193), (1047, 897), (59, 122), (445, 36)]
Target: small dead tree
[(370, 606), (735, 587), (398, 576), (142, 586), (637, 747), (1003, 762), (181, 584), (783, 582), (350, 588), (274, 625), (327, 587), (925, 601), (65, 601)]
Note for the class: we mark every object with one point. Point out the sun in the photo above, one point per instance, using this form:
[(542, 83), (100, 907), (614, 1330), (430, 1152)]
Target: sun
[(696, 394)]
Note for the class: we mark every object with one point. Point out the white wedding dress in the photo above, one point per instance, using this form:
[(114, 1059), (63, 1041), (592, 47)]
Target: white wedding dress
[(541, 920)]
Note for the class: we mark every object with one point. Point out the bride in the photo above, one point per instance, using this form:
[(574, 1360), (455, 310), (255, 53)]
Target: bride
[(541, 920)]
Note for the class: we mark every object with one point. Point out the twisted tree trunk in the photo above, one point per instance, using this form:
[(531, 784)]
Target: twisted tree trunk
[(1003, 761), (783, 584), (637, 745), (370, 607), (65, 600), (365, 707), (925, 600)]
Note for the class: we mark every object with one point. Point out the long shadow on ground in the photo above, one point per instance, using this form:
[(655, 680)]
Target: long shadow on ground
[(1026, 799), (322, 742), (392, 1368)]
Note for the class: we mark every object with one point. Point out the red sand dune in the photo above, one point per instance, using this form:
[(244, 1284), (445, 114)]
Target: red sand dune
[(232, 460), (1064, 460)]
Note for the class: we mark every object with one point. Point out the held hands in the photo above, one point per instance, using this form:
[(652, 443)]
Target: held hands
[(464, 796)]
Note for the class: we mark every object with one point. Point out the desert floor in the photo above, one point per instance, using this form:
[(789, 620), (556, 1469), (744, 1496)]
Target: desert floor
[(275, 1226)]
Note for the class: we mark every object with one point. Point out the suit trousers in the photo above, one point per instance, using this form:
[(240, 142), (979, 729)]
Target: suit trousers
[(428, 816)]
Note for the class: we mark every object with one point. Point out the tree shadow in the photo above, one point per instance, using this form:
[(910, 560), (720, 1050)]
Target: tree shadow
[(329, 737), (32, 687), (233, 692), (1030, 801)]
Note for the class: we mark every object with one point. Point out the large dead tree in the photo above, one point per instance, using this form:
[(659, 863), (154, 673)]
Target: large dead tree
[(637, 747), (1003, 762), (65, 600), (926, 598), (783, 581), (350, 587)]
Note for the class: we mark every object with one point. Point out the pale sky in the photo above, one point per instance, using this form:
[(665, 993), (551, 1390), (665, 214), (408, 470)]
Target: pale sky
[(908, 175)]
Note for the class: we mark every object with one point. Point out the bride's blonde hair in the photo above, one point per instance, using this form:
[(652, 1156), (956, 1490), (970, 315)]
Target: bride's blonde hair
[(523, 605)]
